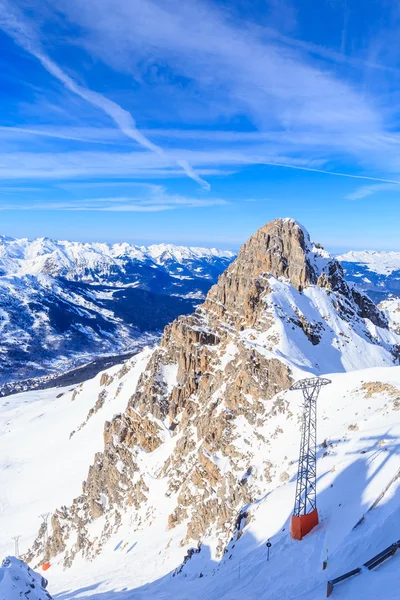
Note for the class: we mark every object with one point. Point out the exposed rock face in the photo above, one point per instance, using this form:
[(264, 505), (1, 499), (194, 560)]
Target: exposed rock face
[(280, 249), (214, 375)]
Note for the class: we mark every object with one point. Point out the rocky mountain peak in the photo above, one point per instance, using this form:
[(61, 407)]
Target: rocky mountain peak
[(280, 248), (201, 400)]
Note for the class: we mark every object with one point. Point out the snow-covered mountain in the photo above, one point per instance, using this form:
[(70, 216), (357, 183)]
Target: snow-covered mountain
[(115, 264), (377, 273), (188, 451), (64, 303)]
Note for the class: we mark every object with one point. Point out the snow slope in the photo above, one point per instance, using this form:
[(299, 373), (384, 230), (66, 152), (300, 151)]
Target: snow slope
[(17, 580), (42, 462), (334, 343), (358, 418), (391, 308)]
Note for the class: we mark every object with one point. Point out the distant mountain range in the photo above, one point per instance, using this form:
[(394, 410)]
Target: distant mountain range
[(377, 273), (64, 303)]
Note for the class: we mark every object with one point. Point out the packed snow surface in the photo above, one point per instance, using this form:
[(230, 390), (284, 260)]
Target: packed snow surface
[(391, 308), (43, 465)]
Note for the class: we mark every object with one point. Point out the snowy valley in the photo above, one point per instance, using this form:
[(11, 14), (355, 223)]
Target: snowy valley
[(63, 304)]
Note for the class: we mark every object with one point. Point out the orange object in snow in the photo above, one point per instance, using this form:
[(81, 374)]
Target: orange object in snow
[(300, 526), (46, 566)]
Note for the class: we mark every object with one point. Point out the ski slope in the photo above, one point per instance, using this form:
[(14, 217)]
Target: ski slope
[(42, 468)]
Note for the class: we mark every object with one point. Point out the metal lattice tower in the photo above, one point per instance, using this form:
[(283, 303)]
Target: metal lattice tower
[(306, 500), (16, 545), (45, 518)]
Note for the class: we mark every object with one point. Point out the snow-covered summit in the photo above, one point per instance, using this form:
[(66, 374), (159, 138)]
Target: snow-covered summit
[(182, 253), (377, 273)]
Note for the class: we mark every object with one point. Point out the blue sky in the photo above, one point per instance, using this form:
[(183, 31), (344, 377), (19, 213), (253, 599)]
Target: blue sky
[(196, 122)]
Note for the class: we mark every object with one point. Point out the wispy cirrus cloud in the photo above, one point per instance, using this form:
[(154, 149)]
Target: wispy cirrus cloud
[(219, 161), (18, 188), (104, 165), (294, 149), (304, 115), (95, 135), (250, 66), (148, 198), (14, 24), (297, 103), (369, 190)]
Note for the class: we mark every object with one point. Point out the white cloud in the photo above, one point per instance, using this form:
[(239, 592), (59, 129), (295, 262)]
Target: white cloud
[(149, 198), (97, 135), (249, 66), (14, 25), (308, 117), (378, 150), (369, 190), (89, 165), (137, 165)]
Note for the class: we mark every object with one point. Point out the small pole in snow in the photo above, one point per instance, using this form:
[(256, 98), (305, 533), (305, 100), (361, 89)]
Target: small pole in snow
[(239, 569), (16, 545), (325, 562), (268, 544)]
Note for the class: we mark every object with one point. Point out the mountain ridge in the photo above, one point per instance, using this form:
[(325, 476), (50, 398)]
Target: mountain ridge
[(94, 261), (379, 261)]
